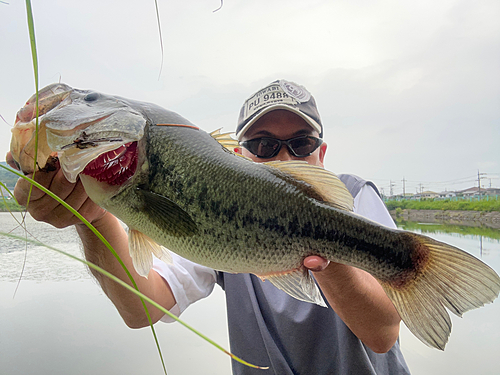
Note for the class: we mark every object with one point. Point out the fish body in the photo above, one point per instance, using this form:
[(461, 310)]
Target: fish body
[(180, 188)]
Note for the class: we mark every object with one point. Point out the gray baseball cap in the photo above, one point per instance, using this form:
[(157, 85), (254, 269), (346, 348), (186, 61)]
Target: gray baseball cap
[(280, 94)]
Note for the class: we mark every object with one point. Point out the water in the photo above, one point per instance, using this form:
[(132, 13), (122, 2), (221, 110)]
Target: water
[(60, 322)]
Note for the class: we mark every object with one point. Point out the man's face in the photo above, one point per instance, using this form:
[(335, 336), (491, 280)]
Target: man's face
[(282, 124)]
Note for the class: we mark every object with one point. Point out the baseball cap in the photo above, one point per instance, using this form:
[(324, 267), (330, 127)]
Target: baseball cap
[(280, 94)]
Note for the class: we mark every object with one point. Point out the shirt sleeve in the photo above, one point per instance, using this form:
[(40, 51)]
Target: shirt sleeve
[(368, 204), (189, 282)]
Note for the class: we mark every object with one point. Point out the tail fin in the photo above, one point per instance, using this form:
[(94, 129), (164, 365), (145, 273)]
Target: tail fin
[(452, 279)]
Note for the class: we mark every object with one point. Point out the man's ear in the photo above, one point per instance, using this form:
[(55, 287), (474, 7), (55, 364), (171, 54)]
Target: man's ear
[(322, 153)]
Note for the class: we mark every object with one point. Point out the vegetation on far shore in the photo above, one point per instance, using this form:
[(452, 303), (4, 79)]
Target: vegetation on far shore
[(441, 227), (489, 204)]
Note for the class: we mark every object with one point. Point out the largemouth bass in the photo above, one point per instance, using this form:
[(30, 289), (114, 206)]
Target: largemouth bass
[(180, 188)]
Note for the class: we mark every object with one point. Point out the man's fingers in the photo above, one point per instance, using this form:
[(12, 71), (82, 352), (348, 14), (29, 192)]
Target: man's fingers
[(22, 188), (316, 263), (10, 161)]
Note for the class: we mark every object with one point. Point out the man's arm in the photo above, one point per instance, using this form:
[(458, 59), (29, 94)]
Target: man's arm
[(355, 295), (43, 208), (359, 300)]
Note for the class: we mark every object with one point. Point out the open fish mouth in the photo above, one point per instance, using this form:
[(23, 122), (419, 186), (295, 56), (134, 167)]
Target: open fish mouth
[(114, 167), (112, 160)]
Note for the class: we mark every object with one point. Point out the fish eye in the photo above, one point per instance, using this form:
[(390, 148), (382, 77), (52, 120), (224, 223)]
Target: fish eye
[(91, 97)]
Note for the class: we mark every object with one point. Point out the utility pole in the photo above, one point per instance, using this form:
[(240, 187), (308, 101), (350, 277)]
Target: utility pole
[(479, 178), (421, 188), (404, 192), (391, 186)]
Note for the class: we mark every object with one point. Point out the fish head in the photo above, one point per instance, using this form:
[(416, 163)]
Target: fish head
[(91, 133)]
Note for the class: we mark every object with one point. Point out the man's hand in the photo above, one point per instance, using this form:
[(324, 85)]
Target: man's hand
[(44, 208)]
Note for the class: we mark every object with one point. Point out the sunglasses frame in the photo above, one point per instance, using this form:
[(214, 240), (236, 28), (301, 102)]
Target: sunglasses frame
[(319, 142)]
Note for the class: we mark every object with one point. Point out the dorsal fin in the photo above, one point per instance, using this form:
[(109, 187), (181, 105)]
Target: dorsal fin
[(225, 139), (325, 183)]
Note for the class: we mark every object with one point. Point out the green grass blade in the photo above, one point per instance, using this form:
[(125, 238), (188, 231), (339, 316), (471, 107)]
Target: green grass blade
[(34, 57), (160, 35)]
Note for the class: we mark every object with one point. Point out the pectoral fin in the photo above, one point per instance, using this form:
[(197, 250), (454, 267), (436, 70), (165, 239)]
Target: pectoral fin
[(299, 284), (168, 215)]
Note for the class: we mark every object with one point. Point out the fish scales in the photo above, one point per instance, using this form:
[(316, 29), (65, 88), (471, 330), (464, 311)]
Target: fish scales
[(189, 193)]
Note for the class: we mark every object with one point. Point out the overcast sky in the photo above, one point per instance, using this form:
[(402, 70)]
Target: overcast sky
[(406, 89)]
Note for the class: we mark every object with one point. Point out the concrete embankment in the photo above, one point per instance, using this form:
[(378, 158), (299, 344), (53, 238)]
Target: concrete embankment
[(468, 218)]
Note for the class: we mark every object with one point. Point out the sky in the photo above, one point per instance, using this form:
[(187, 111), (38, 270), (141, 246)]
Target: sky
[(407, 90)]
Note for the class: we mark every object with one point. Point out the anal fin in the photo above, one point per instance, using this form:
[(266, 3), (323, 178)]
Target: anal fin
[(299, 284)]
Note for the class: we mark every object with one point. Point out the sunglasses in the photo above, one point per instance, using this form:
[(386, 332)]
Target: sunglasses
[(267, 148)]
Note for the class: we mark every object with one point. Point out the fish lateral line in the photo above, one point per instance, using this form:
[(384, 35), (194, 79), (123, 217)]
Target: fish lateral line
[(180, 125)]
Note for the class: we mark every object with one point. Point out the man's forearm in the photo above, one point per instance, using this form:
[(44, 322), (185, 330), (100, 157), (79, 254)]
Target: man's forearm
[(362, 304), (129, 306)]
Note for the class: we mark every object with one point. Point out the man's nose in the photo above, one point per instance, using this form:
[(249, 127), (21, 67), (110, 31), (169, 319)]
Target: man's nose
[(284, 154)]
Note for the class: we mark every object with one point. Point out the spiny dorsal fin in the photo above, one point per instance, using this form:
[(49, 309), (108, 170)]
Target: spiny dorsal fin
[(225, 139), (324, 182), (142, 248)]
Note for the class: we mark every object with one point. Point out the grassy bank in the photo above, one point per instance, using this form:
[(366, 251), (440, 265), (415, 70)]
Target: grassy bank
[(446, 204)]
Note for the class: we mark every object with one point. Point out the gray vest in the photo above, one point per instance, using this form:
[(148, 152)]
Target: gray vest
[(267, 327)]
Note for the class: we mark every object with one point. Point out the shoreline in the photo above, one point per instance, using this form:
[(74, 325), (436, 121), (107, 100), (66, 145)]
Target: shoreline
[(468, 218)]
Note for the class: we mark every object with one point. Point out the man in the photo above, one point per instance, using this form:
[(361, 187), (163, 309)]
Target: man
[(266, 326)]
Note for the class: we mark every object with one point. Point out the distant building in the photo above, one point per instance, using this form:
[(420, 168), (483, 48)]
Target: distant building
[(426, 195), (492, 191), (447, 194), (470, 192), (401, 196)]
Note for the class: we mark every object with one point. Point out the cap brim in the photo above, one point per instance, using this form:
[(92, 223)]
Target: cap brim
[(308, 119)]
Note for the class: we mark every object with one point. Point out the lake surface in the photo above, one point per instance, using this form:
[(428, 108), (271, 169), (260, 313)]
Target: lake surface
[(60, 322)]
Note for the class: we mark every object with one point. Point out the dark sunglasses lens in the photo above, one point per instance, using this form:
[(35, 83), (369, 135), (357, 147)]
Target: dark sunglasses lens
[(304, 146), (262, 147)]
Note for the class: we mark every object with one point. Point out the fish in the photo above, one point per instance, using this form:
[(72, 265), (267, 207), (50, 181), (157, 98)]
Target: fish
[(181, 189)]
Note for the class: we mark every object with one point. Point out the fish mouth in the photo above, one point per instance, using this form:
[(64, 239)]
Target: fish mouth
[(114, 167), (111, 158)]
